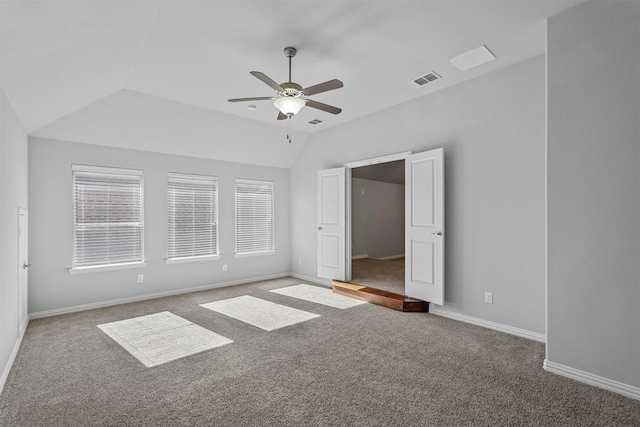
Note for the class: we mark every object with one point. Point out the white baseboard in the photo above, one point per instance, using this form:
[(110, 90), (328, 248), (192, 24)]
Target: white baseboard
[(360, 256), (316, 280), (386, 258), (23, 325), (108, 303), (12, 356), (488, 324), (592, 379)]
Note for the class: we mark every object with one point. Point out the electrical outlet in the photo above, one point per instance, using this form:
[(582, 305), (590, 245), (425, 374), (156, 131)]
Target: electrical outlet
[(140, 278), (300, 261), (224, 267), (488, 297)]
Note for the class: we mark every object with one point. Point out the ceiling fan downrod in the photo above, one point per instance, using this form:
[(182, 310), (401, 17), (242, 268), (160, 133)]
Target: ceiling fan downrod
[(290, 52)]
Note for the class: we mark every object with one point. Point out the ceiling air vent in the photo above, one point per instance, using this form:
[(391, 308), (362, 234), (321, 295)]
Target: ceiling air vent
[(427, 78), (473, 58), (315, 122)]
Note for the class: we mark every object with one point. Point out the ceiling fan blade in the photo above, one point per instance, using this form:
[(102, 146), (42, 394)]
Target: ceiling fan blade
[(322, 87), (267, 80), (324, 107), (258, 98), (281, 116)]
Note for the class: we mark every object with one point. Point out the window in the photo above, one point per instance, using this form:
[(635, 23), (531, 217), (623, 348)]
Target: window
[(192, 202), (107, 217), (254, 217)]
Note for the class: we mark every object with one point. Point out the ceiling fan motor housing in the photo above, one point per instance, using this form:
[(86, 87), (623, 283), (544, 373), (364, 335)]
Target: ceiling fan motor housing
[(291, 89)]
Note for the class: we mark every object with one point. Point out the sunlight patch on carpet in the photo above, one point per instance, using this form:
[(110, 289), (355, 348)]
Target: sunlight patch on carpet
[(324, 296), (257, 312), (161, 337)]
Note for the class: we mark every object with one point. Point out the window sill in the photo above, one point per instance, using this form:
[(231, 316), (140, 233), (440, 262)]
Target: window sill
[(99, 268), (192, 259), (245, 255)]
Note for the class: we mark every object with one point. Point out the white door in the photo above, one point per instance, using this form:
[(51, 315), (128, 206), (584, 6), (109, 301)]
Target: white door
[(23, 265), (424, 226), (331, 223)]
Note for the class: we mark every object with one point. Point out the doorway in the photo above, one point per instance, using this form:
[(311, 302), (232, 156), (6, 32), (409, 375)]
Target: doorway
[(424, 223), (377, 226)]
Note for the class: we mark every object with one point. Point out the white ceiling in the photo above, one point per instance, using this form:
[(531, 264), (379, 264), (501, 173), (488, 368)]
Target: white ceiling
[(59, 57)]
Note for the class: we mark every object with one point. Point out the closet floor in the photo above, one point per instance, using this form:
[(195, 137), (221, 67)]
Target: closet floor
[(386, 275)]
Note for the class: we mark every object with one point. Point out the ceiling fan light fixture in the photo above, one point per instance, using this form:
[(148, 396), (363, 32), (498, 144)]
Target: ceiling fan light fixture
[(289, 105)]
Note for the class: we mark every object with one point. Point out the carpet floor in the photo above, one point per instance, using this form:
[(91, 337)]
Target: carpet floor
[(387, 275), (361, 366)]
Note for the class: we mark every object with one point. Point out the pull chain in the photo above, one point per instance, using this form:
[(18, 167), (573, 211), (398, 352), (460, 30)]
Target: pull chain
[(289, 129)]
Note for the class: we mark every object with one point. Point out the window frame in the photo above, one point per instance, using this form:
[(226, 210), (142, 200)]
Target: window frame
[(216, 224), (80, 269), (272, 250)]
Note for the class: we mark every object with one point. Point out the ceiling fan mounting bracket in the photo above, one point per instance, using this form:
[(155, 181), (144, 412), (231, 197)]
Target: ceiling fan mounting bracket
[(290, 52)]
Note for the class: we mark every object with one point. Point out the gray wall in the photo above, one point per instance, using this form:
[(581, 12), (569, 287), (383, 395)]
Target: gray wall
[(594, 190), (377, 218), (13, 194), (493, 133), (50, 239)]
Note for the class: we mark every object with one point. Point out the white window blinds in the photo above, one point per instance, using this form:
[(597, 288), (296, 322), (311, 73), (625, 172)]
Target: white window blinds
[(192, 202), (254, 217), (108, 216)]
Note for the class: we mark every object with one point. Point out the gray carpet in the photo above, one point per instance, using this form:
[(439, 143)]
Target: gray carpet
[(363, 366)]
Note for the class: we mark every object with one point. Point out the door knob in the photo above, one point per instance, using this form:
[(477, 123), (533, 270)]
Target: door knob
[(439, 233), (25, 266), (320, 228)]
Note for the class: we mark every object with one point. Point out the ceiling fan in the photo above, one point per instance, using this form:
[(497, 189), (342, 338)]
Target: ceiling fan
[(291, 97)]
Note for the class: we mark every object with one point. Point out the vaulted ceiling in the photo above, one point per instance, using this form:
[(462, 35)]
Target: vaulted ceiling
[(78, 69)]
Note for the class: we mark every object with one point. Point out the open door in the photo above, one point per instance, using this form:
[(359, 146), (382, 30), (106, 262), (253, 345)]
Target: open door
[(424, 226), (331, 223), (23, 265)]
